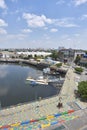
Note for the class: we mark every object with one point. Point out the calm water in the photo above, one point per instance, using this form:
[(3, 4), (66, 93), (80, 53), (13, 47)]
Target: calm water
[(15, 90)]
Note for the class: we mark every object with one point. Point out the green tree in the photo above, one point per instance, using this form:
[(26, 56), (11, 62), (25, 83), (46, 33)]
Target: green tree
[(60, 55), (82, 90), (21, 56), (26, 58), (77, 60), (35, 57), (86, 52), (29, 56), (54, 55)]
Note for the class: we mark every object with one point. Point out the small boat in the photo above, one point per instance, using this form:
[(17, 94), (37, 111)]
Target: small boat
[(40, 80), (31, 81)]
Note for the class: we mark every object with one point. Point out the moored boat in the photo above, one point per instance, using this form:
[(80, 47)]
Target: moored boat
[(40, 80)]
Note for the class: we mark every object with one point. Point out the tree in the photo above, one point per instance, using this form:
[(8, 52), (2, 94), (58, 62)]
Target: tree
[(79, 69), (21, 56), (61, 55), (29, 56), (82, 90), (13, 57), (86, 52), (35, 57), (54, 55), (77, 60)]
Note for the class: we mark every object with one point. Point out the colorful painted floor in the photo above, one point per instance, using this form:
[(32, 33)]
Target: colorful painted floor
[(41, 123)]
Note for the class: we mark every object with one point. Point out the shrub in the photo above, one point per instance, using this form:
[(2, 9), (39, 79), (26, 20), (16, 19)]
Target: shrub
[(78, 69), (59, 64), (82, 90)]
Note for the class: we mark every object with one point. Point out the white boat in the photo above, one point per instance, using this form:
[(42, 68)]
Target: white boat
[(44, 81), (40, 80)]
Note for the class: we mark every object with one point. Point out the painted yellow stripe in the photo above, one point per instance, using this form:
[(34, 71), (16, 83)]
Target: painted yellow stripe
[(11, 128), (50, 117), (16, 124), (45, 125)]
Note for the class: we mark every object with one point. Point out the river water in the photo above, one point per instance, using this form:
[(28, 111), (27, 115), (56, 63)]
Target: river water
[(15, 90)]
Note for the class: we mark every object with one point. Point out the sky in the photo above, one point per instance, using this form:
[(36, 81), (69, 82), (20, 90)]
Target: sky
[(43, 24)]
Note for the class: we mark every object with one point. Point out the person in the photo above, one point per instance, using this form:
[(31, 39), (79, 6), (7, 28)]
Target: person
[(60, 105)]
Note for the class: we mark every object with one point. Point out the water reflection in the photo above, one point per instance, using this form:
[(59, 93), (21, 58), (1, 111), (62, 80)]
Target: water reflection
[(3, 91), (3, 71), (14, 90)]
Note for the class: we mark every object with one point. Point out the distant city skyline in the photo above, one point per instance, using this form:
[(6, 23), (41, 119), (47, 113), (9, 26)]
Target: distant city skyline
[(43, 24)]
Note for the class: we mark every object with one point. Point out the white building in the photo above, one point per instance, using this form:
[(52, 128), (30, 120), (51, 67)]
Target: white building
[(35, 53)]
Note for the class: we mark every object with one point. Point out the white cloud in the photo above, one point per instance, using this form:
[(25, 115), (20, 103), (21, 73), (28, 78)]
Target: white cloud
[(3, 31), (3, 23), (77, 35), (14, 0), (79, 2), (53, 30), (21, 36), (36, 21), (15, 36), (41, 21), (83, 17), (26, 30), (59, 2), (15, 12), (45, 28), (2, 4), (66, 22)]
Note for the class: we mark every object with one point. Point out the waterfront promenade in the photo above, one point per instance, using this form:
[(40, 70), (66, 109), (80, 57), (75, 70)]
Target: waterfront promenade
[(69, 86), (45, 107)]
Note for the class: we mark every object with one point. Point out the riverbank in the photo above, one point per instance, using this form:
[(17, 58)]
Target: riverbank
[(39, 65)]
